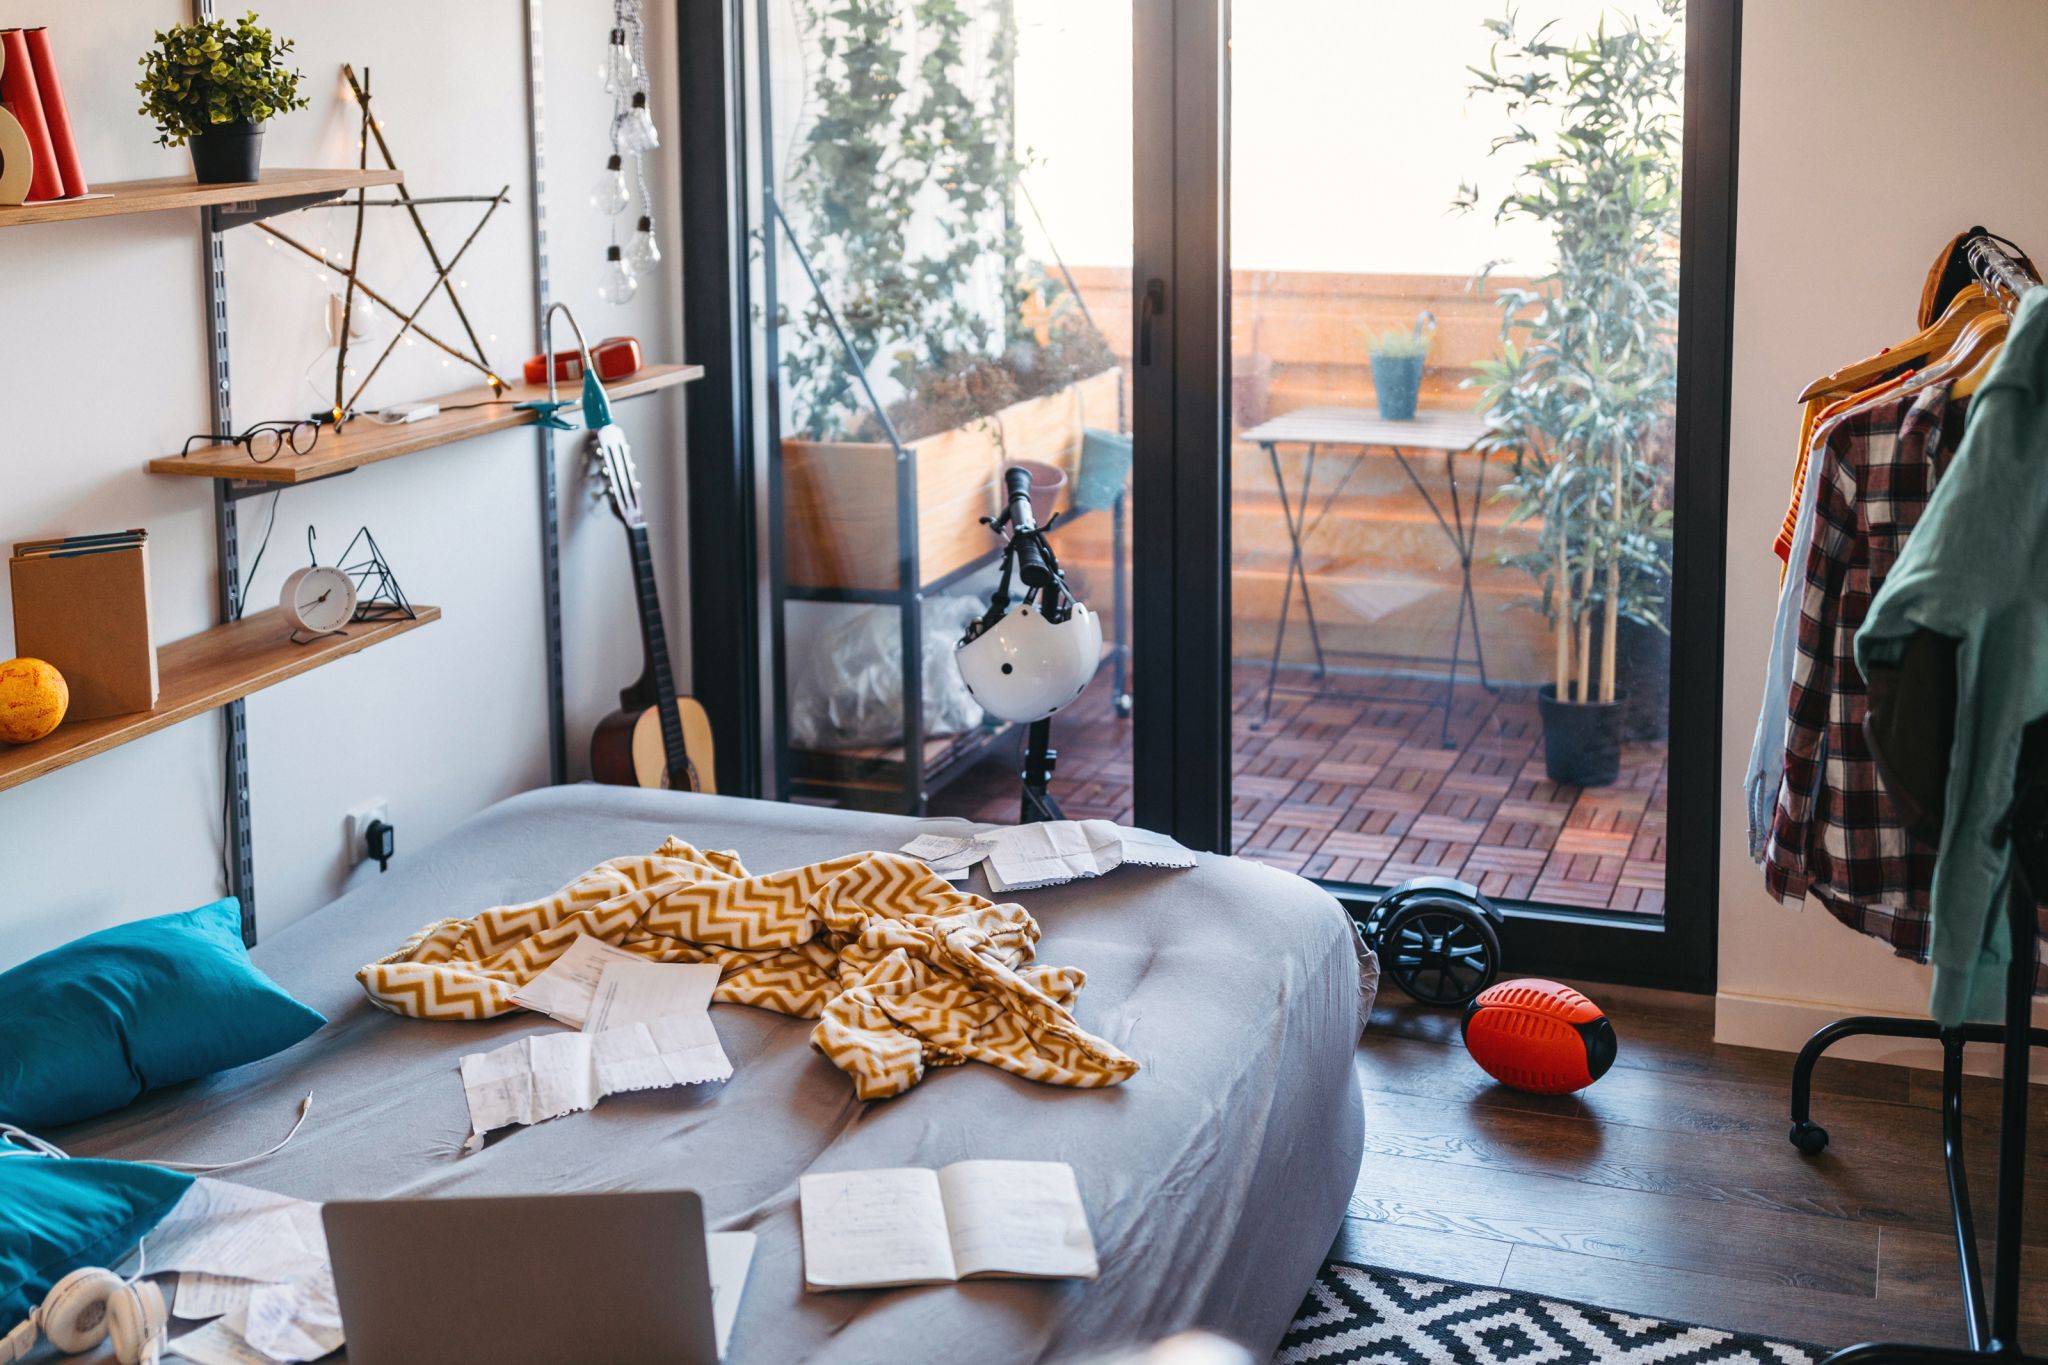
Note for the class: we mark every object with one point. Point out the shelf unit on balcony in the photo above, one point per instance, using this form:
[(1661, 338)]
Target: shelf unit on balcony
[(202, 673)]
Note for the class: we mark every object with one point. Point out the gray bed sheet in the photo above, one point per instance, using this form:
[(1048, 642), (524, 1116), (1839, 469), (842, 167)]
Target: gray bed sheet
[(1215, 1179)]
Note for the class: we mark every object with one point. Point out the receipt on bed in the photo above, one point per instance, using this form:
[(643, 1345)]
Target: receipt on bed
[(564, 990), (1050, 852), (200, 1295), (223, 1229), (551, 1074), (640, 992), (220, 1342), (951, 858), (296, 1321)]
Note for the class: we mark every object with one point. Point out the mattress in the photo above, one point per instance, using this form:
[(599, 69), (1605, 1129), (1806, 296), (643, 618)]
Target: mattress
[(1215, 1179)]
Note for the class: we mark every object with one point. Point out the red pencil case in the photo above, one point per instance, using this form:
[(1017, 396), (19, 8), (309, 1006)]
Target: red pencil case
[(614, 357)]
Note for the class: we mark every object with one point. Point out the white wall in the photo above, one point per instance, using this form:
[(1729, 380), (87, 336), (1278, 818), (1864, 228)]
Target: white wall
[(1841, 207), (102, 367)]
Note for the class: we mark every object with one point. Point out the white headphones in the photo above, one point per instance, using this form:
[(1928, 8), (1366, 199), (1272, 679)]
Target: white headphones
[(90, 1306)]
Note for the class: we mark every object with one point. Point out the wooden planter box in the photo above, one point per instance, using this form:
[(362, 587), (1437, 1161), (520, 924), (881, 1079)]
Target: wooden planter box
[(839, 497)]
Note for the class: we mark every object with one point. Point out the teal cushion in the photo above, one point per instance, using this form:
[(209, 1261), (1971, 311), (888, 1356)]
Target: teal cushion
[(56, 1216), (86, 1028)]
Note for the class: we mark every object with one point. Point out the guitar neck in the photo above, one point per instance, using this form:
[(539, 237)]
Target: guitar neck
[(658, 678)]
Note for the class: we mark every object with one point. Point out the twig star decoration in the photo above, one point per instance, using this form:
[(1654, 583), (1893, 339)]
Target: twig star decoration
[(373, 131)]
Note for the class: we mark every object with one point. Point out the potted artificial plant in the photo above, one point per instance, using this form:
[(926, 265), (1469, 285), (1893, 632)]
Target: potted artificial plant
[(1397, 361), (904, 200), (214, 84), (1585, 391)]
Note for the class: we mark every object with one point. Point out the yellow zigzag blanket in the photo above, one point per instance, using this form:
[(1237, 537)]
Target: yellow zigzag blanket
[(901, 969)]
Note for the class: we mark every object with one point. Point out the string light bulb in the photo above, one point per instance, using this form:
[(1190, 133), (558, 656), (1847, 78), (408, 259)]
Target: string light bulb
[(621, 72), (617, 284), (611, 193), (636, 127), (645, 253)]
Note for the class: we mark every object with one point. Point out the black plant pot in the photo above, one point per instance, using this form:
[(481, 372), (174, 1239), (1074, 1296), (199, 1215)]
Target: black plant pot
[(1581, 740), (229, 154), (1642, 669)]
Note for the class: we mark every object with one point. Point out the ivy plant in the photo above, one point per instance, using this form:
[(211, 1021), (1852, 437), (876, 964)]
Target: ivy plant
[(202, 75), (903, 192), (1585, 389)]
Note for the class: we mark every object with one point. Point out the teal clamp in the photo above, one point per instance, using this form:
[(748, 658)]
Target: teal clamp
[(548, 411)]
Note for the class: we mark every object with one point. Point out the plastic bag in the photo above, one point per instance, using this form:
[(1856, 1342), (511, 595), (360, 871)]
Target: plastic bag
[(851, 695)]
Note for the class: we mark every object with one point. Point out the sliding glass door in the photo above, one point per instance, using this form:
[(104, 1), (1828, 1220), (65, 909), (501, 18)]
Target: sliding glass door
[(1372, 359), (944, 268), (1457, 510)]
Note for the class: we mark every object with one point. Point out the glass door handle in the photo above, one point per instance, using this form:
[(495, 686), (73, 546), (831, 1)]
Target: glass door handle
[(1151, 306)]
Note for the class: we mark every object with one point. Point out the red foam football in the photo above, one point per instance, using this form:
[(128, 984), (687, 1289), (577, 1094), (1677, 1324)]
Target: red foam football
[(1539, 1036)]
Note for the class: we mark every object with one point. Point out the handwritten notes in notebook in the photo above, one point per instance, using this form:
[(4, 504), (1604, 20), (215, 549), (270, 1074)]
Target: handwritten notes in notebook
[(972, 1219)]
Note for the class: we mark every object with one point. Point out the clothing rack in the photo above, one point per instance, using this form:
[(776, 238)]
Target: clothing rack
[(1992, 1320)]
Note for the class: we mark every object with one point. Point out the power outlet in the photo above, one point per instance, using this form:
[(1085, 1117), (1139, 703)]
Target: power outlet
[(356, 828)]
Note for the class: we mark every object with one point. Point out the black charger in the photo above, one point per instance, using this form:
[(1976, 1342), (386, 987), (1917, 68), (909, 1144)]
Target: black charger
[(380, 841)]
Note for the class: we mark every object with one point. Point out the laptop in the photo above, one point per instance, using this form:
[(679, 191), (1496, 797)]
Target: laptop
[(568, 1278)]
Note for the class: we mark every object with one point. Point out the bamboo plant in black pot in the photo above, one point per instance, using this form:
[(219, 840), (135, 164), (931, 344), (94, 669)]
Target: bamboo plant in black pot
[(214, 84), (1584, 393)]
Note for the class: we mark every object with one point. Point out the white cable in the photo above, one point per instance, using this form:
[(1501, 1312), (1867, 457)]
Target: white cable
[(305, 1108), (11, 1136)]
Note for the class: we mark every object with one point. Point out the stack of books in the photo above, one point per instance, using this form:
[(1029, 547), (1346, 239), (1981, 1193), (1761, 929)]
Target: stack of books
[(30, 90)]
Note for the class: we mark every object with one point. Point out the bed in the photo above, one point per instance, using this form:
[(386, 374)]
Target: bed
[(1215, 1179)]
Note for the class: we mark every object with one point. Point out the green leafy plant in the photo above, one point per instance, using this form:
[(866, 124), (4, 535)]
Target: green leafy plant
[(1585, 390), (1400, 343), (904, 193), (200, 76)]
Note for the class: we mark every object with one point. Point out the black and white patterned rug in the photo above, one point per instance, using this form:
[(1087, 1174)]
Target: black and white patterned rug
[(1355, 1314)]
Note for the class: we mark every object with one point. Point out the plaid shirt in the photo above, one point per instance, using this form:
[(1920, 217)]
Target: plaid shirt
[(1835, 835)]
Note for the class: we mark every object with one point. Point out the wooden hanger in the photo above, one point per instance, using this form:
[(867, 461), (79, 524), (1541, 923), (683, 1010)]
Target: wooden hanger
[(1980, 364), (1966, 307)]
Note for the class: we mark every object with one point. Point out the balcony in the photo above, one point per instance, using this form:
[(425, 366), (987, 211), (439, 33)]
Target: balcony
[(1356, 785)]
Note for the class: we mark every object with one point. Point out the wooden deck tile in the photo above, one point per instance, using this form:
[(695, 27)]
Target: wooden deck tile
[(1358, 790)]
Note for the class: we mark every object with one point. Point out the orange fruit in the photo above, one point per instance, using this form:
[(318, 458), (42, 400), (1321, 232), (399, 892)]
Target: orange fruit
[(33, 698)]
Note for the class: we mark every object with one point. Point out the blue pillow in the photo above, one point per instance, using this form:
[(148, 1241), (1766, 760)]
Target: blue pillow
[(56, 1216), (86, 1028)]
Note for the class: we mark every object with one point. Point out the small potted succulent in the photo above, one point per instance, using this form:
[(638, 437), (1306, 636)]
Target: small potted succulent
[(214, 84), (1397, 361)]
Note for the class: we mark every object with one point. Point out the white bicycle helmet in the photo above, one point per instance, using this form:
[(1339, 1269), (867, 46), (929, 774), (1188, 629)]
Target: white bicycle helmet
[(1024, 667)]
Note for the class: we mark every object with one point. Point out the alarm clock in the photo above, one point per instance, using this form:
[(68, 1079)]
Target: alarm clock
[(318, 600)]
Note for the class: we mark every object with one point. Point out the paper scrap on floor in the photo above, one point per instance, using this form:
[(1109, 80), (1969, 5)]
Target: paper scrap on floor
[(552, 1074), (951, 858), (1053, 852)]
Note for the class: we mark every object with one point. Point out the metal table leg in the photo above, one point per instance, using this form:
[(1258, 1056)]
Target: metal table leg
[(1296, 521), (1464, 537)]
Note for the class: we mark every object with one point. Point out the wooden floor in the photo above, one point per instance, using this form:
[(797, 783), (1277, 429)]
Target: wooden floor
[(1668, 1188), (1360, 789)]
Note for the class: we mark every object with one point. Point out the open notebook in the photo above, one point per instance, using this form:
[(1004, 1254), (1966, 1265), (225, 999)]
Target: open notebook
[(972, 1219)]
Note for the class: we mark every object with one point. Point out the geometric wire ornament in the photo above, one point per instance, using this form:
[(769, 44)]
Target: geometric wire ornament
[(378, 596)]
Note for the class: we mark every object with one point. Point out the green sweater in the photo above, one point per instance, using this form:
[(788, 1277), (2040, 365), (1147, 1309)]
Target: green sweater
[(1976, 569)]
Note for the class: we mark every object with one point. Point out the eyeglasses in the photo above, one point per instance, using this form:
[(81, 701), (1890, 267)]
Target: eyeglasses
[(266, 440)]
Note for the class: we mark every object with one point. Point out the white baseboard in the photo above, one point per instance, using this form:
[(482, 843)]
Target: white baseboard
[(1785, 1025)]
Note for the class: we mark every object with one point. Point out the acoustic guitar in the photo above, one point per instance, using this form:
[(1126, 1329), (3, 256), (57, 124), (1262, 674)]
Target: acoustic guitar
[(655, 738)]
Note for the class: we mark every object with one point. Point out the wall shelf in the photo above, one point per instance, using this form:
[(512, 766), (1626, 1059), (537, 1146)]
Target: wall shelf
[(278, 191), (198, 674), (367, 441)]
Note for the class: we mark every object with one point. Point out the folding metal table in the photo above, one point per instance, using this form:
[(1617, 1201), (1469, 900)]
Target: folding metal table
[(1362, 429)]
